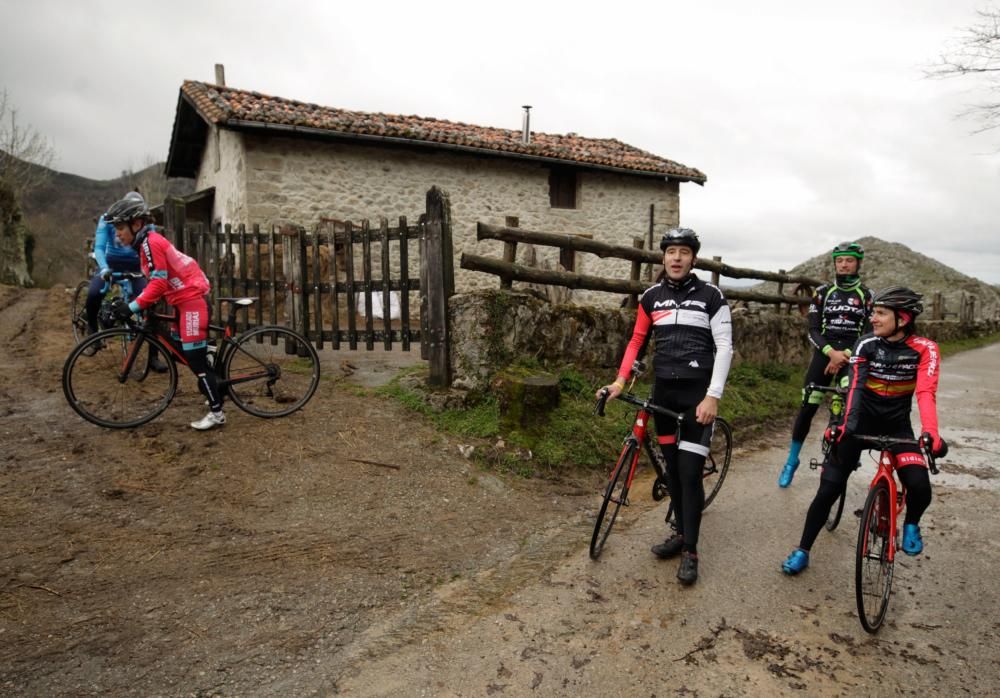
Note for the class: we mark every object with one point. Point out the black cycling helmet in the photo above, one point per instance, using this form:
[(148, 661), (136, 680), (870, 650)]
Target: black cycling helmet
[(900, 298), (851, 249), (681, 236), (132, 206)]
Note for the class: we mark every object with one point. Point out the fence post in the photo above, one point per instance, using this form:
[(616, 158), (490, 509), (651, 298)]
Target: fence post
[(715, 274), (293, 260), (174, 219), (509, 250), (438, 262), (633, 299), (781, 292), (937, 307)]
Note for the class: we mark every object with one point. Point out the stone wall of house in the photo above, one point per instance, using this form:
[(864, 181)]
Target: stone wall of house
[(224, 167), (299, 180), (491, 329)]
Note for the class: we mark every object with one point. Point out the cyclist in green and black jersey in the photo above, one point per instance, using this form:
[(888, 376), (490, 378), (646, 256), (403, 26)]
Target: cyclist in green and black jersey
[(839, 313)]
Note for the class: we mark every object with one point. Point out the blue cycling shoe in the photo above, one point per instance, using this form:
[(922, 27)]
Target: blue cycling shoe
[(787, 473), (913, 544), (796, 562)]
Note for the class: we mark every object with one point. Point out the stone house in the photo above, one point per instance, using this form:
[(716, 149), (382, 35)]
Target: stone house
[(261, 159)]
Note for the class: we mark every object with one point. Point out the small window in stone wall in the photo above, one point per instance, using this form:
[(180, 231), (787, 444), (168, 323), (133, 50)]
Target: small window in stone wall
[(562, 188)]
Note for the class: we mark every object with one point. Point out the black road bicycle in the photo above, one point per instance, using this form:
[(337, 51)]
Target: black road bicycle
[(267, 371)]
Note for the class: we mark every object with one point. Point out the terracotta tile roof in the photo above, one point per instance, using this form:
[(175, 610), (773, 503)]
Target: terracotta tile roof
[(226, 105)]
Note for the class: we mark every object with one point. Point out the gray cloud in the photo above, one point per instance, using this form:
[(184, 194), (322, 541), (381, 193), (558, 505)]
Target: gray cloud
[(813, 125)]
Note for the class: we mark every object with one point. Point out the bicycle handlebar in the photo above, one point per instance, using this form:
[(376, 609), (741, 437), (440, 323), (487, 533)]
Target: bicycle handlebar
[(632, 400), (884, 442), (817, 388)]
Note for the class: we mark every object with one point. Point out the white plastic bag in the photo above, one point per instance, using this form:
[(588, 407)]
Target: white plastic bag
[(378, 311)]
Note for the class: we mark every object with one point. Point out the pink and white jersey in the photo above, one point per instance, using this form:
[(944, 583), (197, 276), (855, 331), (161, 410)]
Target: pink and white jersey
[(172, 274)]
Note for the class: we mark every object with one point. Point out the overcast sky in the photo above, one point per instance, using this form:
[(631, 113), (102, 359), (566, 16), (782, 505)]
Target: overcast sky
[(813, 125)]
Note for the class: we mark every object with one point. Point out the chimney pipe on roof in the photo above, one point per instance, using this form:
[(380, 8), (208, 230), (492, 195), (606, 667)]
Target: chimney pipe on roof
[(220, 74), (526, 126)]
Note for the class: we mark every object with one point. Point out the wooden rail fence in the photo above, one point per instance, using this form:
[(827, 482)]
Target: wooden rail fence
[(508, 270)]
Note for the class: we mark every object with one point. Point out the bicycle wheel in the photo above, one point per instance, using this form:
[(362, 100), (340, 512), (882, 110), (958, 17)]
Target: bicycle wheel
[(833, 520), (270, 371), (615, 495), (873, 568), (720, 451), (98, 390), (78, 311)]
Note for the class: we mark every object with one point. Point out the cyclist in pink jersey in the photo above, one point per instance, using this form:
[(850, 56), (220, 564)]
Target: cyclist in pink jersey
[(176, 278)]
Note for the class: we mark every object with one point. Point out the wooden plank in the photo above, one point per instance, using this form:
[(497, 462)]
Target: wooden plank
[(436, 252), (316, 292), (386, 293), (334, 290), (404, 280), (217, 258), (366, 258), (273, 276), (425, 335), (242, 324), (259, 305), (352, 324)]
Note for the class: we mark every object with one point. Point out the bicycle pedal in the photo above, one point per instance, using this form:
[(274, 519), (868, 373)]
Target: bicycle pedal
[(813, 463)]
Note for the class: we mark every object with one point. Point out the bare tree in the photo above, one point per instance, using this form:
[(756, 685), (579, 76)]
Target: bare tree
[(977, 52), (25, 155)]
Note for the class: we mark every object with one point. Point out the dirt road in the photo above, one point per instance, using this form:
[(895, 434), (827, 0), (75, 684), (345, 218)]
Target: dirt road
[(276, 558)]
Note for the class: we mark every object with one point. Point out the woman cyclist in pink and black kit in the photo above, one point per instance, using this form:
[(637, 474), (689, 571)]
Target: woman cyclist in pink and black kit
[(888, 368), (179, 280)]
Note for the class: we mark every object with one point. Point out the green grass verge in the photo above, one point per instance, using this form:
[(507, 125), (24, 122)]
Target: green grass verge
[(955, 346), (573, 435), (758, 398)]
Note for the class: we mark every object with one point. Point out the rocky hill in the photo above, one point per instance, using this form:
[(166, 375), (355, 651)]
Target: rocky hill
[(890, 263), (61, 214)]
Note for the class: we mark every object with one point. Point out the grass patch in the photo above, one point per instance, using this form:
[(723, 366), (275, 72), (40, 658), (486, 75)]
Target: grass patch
[(756, 394), (954, 346)]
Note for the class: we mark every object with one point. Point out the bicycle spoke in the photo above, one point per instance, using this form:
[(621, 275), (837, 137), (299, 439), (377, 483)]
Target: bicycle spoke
[(270, 371)]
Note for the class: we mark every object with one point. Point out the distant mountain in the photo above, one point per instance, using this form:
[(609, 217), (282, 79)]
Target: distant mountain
[(892, 263), (61, 215)]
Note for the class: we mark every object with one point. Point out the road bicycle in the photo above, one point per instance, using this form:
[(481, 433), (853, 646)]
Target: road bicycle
[(878, 537), (836, 414), (118, 286), (639, 439), (267, 371)]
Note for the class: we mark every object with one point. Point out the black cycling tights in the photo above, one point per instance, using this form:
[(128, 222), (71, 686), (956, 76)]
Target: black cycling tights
[(918, 498), (207, 383), (687, 491)]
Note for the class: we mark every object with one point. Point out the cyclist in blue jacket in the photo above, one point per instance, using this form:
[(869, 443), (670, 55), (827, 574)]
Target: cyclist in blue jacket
[(112, 256)]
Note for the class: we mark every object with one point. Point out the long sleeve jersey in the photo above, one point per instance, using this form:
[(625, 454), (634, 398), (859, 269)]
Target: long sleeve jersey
[(172, 274), (838, 316), (107, 246), (886, 375), (693, 330)]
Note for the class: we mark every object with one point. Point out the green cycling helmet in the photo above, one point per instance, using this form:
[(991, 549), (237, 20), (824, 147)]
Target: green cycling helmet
[(851, 249)]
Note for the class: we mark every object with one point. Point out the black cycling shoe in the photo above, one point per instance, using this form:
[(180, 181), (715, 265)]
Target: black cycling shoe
[(157, 365), (687, 573), (668, 548)]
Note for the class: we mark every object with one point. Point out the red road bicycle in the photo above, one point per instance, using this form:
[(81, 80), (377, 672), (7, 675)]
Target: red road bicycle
[(878, 536), (639, 439)]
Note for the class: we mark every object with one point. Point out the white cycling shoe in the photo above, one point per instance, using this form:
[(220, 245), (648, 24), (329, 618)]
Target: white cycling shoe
[(210, 420)]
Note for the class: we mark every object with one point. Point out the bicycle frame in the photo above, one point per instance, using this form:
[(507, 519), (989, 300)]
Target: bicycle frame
[(886, 472)]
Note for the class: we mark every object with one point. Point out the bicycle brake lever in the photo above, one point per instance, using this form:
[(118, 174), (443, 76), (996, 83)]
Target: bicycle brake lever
[(601, 401)]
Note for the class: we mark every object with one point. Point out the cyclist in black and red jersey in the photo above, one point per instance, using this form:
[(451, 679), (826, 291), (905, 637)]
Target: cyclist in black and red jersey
[(838, 315), (888, 367), (691, 323)]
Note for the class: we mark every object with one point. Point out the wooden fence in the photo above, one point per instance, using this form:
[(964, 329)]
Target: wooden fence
[(508, 270), (320, 282)]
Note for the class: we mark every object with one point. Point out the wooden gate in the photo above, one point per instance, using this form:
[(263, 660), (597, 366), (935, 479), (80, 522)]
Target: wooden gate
[(344, 283)]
